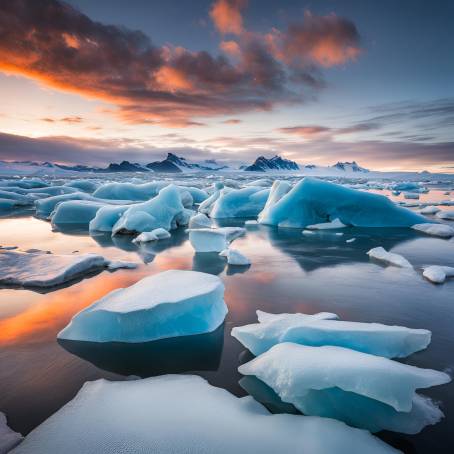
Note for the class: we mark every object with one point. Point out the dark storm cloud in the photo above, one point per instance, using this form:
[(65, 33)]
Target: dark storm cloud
[(55, 44)]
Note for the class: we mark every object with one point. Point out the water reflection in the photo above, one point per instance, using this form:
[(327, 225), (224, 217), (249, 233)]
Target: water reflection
[(166, 356)]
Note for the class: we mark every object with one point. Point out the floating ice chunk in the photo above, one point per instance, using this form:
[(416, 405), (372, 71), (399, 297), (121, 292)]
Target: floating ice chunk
[(438, 274), (448, 215), (75, 212), (44, 207), (293, 370), (317, 330), (350, 240), (182, 218), (246, 202), (168, 304), (313, 201), (308, 232), (15, 199), (431, 209), (45, 270), (83, 185), (106, 217), (278, 190), (8, 438), (335, 224), (440, 230), (265, 317), (213, 240), (406, 186), (154, 235), (235, 257), (251, 222), (199, 221), (389, 258), (130, 191), (120, 264), (160, 211), (175, 414), (411, 195), (262, 182)]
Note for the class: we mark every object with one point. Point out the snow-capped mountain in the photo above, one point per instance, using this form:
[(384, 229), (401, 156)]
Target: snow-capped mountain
[(263, 164), (350, 167), (184, 164)]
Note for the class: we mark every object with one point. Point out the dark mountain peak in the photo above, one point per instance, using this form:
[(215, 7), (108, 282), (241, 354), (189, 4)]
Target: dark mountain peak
[(262, 164)]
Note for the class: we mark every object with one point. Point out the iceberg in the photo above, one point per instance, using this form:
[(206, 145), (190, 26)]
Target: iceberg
[(321, 329), (199, 221), (294, 370), (440, 230), (168, 304), (129, 191), (214, 240), (265, 317), (159, 212), (154, 235), (36, 269), (239, 203), (313, 201), (235, 257), (388, 258), (174, 414), (89, 186), (438, 274)]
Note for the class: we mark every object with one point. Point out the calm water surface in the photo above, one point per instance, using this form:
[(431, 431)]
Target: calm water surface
[(289, 273)]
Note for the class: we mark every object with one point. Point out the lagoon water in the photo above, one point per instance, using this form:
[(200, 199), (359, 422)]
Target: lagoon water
[(290, 272)]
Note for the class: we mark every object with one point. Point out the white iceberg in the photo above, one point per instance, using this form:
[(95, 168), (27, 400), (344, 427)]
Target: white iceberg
[(293, 370), (313, 201), (318, 330), (199, 221), (438, 274), (169, 304), (440, 230), (335, 224), (235, 257), (176, 414), (154, 235), (447, 215), (213, 240), (8, 438), (239, 203), (389, 258), (46, 270)]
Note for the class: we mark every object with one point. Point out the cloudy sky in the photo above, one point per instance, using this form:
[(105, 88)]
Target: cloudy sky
[(314, 81)]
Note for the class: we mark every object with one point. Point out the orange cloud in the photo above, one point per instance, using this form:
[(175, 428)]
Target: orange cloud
[(231, 48), (226, 15)]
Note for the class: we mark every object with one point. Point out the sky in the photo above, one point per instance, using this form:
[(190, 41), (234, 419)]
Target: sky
[(85, 82)]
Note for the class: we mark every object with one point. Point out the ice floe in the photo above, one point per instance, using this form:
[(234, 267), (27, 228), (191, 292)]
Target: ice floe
[(334, 224), (214, 240), (447, 215), (388, 258), (45, 270), (175, 414), (168, 304), (438, 274), (431, 209), (199, 221), (315, 368), (440, 230), (154, 235), (318, 330), (313, 201), (235, 257), (246, 202)]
